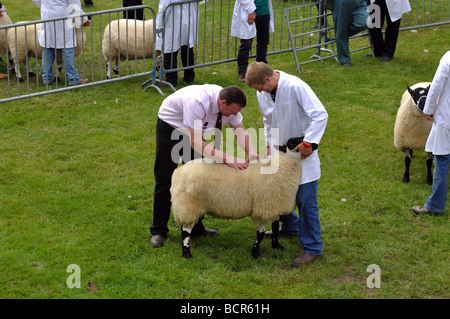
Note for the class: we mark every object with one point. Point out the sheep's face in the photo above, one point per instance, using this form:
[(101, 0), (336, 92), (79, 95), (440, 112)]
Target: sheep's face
[(419, 96)]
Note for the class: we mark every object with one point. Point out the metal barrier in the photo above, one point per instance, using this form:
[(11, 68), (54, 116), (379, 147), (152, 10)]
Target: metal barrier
[(213, 44), (136, 49)]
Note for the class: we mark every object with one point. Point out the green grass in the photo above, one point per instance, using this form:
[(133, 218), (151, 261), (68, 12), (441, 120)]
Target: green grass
[(76, 187)]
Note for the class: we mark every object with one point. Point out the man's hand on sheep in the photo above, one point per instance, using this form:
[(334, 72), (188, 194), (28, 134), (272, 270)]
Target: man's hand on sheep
[(429, 117), (304, 148)]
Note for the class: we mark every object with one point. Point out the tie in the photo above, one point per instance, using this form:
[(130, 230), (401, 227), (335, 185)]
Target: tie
[(218, 134)]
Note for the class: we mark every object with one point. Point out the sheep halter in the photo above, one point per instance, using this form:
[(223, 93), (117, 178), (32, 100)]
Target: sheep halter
[(418, 102)]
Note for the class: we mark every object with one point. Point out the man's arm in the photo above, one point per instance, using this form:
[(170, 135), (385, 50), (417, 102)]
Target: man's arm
[(200, 146)]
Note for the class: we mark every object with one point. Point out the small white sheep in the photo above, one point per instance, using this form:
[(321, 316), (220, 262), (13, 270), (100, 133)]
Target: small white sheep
[(411, 128), (126, 41), (28, 47), (200, 188), (4, 20)]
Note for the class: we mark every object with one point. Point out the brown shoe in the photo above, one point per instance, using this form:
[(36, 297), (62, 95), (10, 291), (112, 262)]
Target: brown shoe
[(83, 81), (157, 241), (304, 258), (241, 78), (3, 76), (423, 210)]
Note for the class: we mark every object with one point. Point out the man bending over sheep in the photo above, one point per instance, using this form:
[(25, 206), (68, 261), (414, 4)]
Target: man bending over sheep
[(183, 119), (289, 104)]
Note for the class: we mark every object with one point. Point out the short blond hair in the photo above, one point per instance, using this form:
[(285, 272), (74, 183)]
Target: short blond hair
[(257, 72)]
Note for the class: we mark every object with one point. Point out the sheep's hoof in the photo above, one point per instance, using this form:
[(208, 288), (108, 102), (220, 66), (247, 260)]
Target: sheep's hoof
[(20, 79), (116, 72), (31, 74), (405, 179), (187, 254), (256, 253), (430, 180), (277, 245)]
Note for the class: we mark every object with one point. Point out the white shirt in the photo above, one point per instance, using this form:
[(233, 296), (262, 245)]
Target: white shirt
[(181, 25), (239, 23), (63, 29), (195, 105), (396, 8), (297, 111), (438, 103)]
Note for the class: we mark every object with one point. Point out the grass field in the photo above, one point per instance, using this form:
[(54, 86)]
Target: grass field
[(76, 187)]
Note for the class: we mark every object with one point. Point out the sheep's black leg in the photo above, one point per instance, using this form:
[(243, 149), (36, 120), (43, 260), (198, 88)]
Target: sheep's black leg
[(275, 229), (408, 154), (259, 237), (429, 164), (185, 236)]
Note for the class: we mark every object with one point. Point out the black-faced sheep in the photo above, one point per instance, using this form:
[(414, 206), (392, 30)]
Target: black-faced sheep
[(124, 39), (263, 191), (411, 128), (27, 46)]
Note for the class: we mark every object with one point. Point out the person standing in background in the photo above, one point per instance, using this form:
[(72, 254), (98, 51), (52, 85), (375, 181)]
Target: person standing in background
[(133, 14), (391, 11), (59, 35), (251, 18), (180, 32)]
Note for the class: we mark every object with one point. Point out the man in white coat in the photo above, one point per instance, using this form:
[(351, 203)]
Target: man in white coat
[(180, 23), (289, 105), (251, 18), (437, 109), (60, 34), (392, 11)]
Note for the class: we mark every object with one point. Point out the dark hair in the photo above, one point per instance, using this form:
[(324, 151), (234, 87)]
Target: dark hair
[(233, 94)]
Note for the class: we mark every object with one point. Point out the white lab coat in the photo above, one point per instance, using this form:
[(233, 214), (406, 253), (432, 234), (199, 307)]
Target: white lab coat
[(397, 8), (297, 111), (438, 104), (59, 34), (181, 25), (239, 23)]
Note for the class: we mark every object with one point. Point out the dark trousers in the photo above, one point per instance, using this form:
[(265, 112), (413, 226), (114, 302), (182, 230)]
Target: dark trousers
[(386, 46), (262, 41), (133, 14), (165, 164), (171, 61)]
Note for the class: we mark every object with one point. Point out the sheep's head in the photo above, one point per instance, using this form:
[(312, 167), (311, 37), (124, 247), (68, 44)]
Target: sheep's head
[(418, 96)]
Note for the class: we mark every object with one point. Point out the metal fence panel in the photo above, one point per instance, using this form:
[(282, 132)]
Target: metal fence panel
[(131, 39), (213, 44)]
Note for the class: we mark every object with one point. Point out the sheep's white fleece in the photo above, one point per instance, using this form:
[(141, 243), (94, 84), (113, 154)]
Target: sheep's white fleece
[(224, 192), (127, 35), (411, 128)]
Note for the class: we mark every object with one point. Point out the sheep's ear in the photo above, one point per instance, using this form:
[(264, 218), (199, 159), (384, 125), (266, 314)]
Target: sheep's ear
[(409, 90)]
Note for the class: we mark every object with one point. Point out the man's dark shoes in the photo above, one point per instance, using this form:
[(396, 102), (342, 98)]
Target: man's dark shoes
[(157, 241)]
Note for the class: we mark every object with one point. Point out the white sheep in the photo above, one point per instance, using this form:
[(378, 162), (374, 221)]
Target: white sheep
[(411, 128), (200, 188), (4, 20), (126, 41), (28, 47)]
